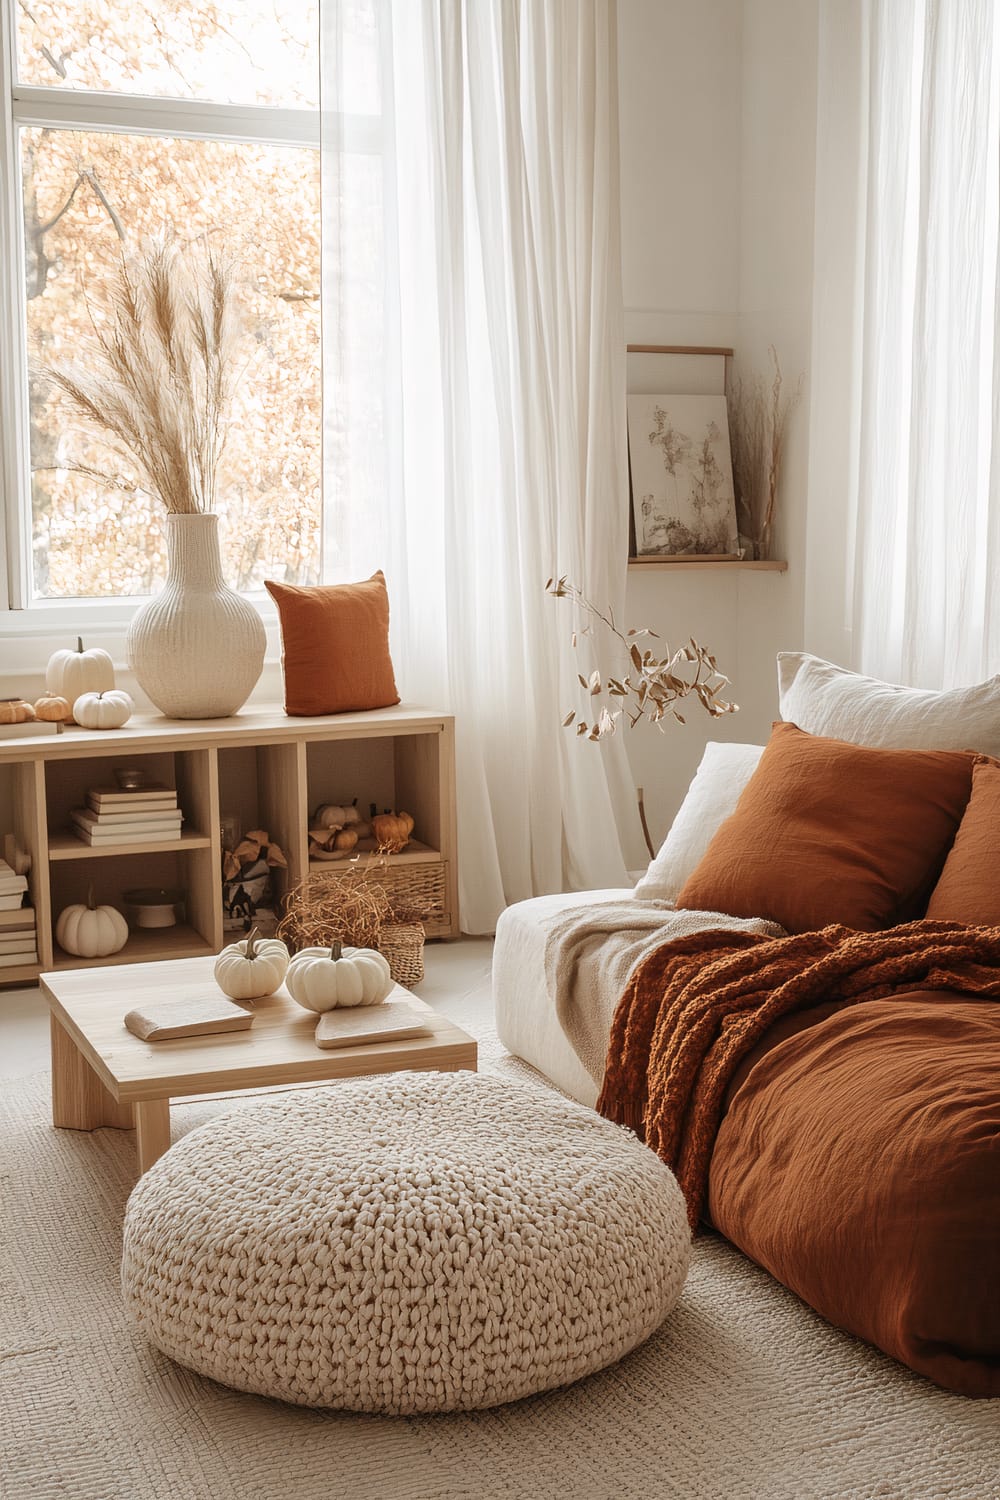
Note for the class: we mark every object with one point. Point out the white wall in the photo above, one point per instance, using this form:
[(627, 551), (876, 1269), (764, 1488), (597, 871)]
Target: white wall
[(679, 101), (717, 101), (778, 182)]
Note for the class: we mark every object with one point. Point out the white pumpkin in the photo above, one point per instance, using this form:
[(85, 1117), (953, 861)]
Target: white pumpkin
[(332, 815), (89, 931), (70, 673), (103, 710), (324, 978), (251, 968)]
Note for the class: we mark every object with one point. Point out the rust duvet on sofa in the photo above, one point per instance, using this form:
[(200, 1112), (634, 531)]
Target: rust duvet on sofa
[(859, 1162)]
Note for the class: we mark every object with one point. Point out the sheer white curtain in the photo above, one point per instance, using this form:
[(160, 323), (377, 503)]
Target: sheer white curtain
[(926, 585), (474, 378)]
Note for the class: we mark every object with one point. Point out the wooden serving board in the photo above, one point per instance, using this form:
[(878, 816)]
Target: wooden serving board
[(355, 1025), (163, 1020)]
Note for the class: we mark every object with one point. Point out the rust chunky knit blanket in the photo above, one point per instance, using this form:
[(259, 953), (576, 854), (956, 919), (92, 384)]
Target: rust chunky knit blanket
[(698, 1005)]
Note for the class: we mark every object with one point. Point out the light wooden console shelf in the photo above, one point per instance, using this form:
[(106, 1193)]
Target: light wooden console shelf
[(266, 769), (771, 565)]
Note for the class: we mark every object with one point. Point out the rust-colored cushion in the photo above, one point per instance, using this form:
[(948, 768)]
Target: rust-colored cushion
[(859, 1163), (969, 888), (830, 832), (335, 646)]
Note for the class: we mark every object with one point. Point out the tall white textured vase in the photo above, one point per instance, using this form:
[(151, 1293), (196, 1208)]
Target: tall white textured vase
[(197, 649)]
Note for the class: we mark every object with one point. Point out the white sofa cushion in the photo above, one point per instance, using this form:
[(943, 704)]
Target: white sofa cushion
[(713, 794), (525, 1009), (828, 700)]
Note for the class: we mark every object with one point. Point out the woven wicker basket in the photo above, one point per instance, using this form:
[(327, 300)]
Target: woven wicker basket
[(402, 943), (417, 887)]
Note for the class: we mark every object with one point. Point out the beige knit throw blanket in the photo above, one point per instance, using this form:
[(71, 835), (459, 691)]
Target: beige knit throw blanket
[(591, 952)]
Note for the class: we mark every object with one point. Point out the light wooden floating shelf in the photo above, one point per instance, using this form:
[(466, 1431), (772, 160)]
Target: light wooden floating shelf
[(68, 846), (151, 943), (771, 566)]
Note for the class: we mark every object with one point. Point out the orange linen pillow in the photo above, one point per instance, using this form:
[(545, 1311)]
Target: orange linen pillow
[(335, 646), (831, 832), (969, 890)]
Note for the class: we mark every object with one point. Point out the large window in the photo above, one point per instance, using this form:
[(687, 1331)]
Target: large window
[(197, 118)]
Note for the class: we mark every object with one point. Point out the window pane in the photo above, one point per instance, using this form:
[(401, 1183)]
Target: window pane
[(82, 191), (229, 51)]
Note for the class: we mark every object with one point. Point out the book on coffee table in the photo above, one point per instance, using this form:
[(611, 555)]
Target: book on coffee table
[(162, 1020), (357, 1024)]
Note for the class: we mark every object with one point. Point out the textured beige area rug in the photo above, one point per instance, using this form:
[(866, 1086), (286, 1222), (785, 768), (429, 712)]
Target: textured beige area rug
[(744, 1393)]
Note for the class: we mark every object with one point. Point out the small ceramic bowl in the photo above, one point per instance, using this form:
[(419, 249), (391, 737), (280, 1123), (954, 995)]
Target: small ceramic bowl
[(130, 778), (153, 907)]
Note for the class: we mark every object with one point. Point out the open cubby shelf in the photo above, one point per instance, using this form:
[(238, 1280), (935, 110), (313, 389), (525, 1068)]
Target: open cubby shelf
[(261, 768), (181, 941), (68, 846), (415, 853)]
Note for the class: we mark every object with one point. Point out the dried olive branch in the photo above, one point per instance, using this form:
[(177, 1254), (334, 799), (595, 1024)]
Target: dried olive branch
[(653, 683)]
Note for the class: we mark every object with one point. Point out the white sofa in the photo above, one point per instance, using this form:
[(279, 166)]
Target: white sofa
[(525, 1006)]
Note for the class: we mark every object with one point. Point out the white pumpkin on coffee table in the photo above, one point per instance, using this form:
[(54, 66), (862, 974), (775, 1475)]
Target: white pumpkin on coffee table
[(321, 979)]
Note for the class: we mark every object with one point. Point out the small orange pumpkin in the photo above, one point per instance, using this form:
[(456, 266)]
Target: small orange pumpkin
[(15, 711), (391, 831), (344, 838), (52, 709)]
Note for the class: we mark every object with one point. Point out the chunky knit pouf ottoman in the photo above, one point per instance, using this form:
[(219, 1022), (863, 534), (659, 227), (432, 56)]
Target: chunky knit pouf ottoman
[(413, 1243)]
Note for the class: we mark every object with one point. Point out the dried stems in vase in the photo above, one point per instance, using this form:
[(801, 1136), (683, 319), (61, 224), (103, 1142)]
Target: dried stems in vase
[(758, 422), (158, 372)]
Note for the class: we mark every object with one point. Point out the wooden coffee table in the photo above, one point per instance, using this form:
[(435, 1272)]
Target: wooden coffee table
[(103, 1075)]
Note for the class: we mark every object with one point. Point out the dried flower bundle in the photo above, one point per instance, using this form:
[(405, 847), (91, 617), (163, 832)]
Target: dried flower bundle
[(158, 373), (758, 421), (653, 683)]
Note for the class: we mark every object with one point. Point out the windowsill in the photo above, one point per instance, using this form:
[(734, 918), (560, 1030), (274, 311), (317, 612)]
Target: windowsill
[(95, 617), (28, 637)]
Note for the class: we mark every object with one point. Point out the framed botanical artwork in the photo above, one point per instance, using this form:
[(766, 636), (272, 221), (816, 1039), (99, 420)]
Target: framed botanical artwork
[(683, 500)]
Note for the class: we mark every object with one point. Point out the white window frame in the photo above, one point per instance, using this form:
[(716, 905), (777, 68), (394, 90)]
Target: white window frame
[(129, 114)]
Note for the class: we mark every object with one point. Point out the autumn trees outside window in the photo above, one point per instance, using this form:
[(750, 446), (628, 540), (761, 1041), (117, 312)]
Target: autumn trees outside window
[(197, 119)]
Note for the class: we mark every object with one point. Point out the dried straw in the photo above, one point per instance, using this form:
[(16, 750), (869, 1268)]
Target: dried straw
[(758, 422), (319, 912), (159, 369)]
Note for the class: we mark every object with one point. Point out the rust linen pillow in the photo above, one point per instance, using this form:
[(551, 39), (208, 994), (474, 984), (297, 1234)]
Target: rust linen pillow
[(335, 646), (859, 1163), (969, 889), (831, 832)]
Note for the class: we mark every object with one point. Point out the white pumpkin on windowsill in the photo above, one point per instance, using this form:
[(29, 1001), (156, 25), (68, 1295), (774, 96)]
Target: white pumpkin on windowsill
[(70, 673), (106, 710)]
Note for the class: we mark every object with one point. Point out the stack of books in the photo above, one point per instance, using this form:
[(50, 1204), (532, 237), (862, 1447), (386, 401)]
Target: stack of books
[(17, 922), (12, 887), (145, 816)]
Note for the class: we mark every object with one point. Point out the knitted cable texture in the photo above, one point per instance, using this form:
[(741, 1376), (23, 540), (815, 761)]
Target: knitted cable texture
[(693, 1010), (412, 1243)]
